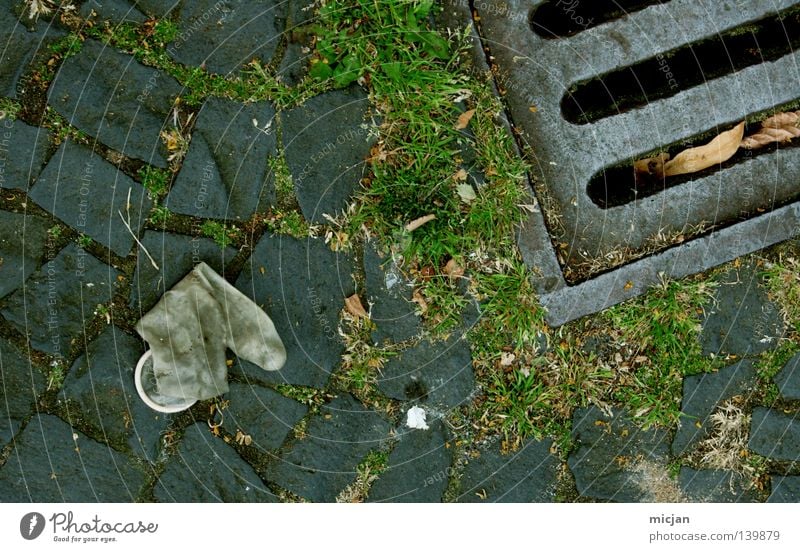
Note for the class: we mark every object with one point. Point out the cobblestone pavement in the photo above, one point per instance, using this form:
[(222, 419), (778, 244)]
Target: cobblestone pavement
[(74, 280)]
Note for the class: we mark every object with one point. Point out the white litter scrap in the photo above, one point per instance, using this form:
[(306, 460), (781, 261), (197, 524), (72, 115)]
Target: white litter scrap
[(416, 418)]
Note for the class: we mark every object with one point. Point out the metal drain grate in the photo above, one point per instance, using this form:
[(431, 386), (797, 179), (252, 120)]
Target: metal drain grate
[(590, 98)]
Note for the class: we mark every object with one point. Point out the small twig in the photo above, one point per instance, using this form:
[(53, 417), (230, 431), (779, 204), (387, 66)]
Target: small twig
[(128, 226), (414, 224)]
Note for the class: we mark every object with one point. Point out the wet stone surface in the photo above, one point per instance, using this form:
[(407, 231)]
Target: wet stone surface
[(775, 434), (225, 174), (52, 462), (22, 247), (176, 255), (115, 99), (23, 150), (21, 383), (15, 61), (785, 489), (115, 11), (525, 475), (788, 379), (742, 320), (205, 469), (323, 463), (101, 391), (295, 63), (715, 486), (418, 468), (224, 36), (88, 194), (301, 285), (60, 298), (263, 414), (389, 293), (327, 141), (435, 374), (701, 396), (610, 449), (158, 8)]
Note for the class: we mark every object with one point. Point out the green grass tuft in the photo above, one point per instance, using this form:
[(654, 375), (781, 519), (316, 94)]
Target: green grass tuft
[(155, 181), (222, 234)]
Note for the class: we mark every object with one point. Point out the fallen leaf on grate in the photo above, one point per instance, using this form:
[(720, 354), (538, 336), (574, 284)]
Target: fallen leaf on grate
[(652, 166), (691, 160), (775, 130), (717, 151)]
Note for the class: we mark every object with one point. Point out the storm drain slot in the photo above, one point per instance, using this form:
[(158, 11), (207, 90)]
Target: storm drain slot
[(562, 18), (668, 74), (619, 185)]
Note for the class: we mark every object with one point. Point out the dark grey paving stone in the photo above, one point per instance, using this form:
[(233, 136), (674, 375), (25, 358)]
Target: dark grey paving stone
[(102, 393), (19, 46), (22, 242), (787, 380), (715, 486), (701, 395), (225, 174), (301, 12), (116, 11), (785, 489), (526, 475), (224, 36), (436, 374), (322, 464), (176, 255), (21, 383), (57, 297), (418, 469), (157, 8), (265, 415), (295, 63), (389, 292), (609, 450), (326, 142), (301, 285), (116, 99), (205, 469), (88, 194), (775, 435), (23, 150), (743, 320), (52, 462)]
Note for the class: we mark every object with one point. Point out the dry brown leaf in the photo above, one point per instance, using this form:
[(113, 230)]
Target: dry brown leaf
[(777, 129), (782, 119), (717, 151), (780, 134), (170, 139), (354, 306), (416, 223), (461, 174), (507, 359), (653, 166), (464, 119), (453, 269), (419, 300)]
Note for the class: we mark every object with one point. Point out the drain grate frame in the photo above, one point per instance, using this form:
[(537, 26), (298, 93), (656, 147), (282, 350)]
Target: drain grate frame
[(534, 74)]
